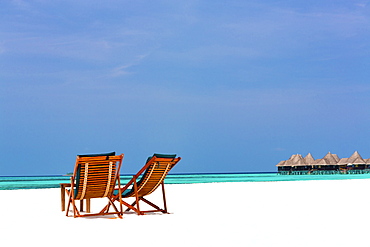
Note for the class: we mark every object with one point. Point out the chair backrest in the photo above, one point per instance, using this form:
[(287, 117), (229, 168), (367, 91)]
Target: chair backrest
[(96, 176), (155, 171)]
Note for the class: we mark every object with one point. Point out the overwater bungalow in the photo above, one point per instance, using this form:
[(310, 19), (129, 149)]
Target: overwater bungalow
[(356, 164), (329, 164), (343, 164)]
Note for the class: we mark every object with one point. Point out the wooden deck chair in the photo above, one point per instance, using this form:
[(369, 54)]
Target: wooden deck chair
[(95, 176), (152, 175)]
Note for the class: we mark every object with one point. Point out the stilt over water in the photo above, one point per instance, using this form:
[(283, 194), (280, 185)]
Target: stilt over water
[(329, 164)]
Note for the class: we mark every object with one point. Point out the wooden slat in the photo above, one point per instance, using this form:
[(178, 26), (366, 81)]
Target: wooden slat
[(98, 173)]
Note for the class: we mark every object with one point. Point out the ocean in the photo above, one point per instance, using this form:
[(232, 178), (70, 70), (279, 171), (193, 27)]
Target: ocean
[(43, 182)]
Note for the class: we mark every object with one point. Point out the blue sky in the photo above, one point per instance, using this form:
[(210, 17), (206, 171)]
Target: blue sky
[(230, 86)]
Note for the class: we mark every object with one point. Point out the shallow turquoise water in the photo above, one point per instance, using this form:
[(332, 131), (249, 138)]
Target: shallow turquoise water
[(40, 182)]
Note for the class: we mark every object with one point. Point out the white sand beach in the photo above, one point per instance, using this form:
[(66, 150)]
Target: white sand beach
[(302, 213)]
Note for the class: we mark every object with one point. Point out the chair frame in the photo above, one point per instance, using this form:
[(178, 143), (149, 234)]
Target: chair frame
[(137, 187), (112, 181)]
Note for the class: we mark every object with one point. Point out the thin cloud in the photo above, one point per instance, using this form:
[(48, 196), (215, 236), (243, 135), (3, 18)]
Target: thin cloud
[(123, 70)]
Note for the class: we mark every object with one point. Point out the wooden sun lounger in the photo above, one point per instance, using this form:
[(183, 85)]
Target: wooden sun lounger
[(152, 176), (94, 176)]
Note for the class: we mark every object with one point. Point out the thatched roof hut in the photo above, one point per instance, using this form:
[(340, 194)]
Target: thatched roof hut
[(309, 159), (288, 163), (356, 159), (335, 157), (343, 161), (328, 160), (321, 162), (359, 161), (295, 158), (355, 162)]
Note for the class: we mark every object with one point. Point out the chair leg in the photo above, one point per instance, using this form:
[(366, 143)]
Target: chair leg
[(76, 213), (153, 205), (72, 201), (132, 206), (74, 208), (69, 203), (129, 206), (105, 210), (137, 198), (63, 198), (119, 212), (164, 198), (88, 205)]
